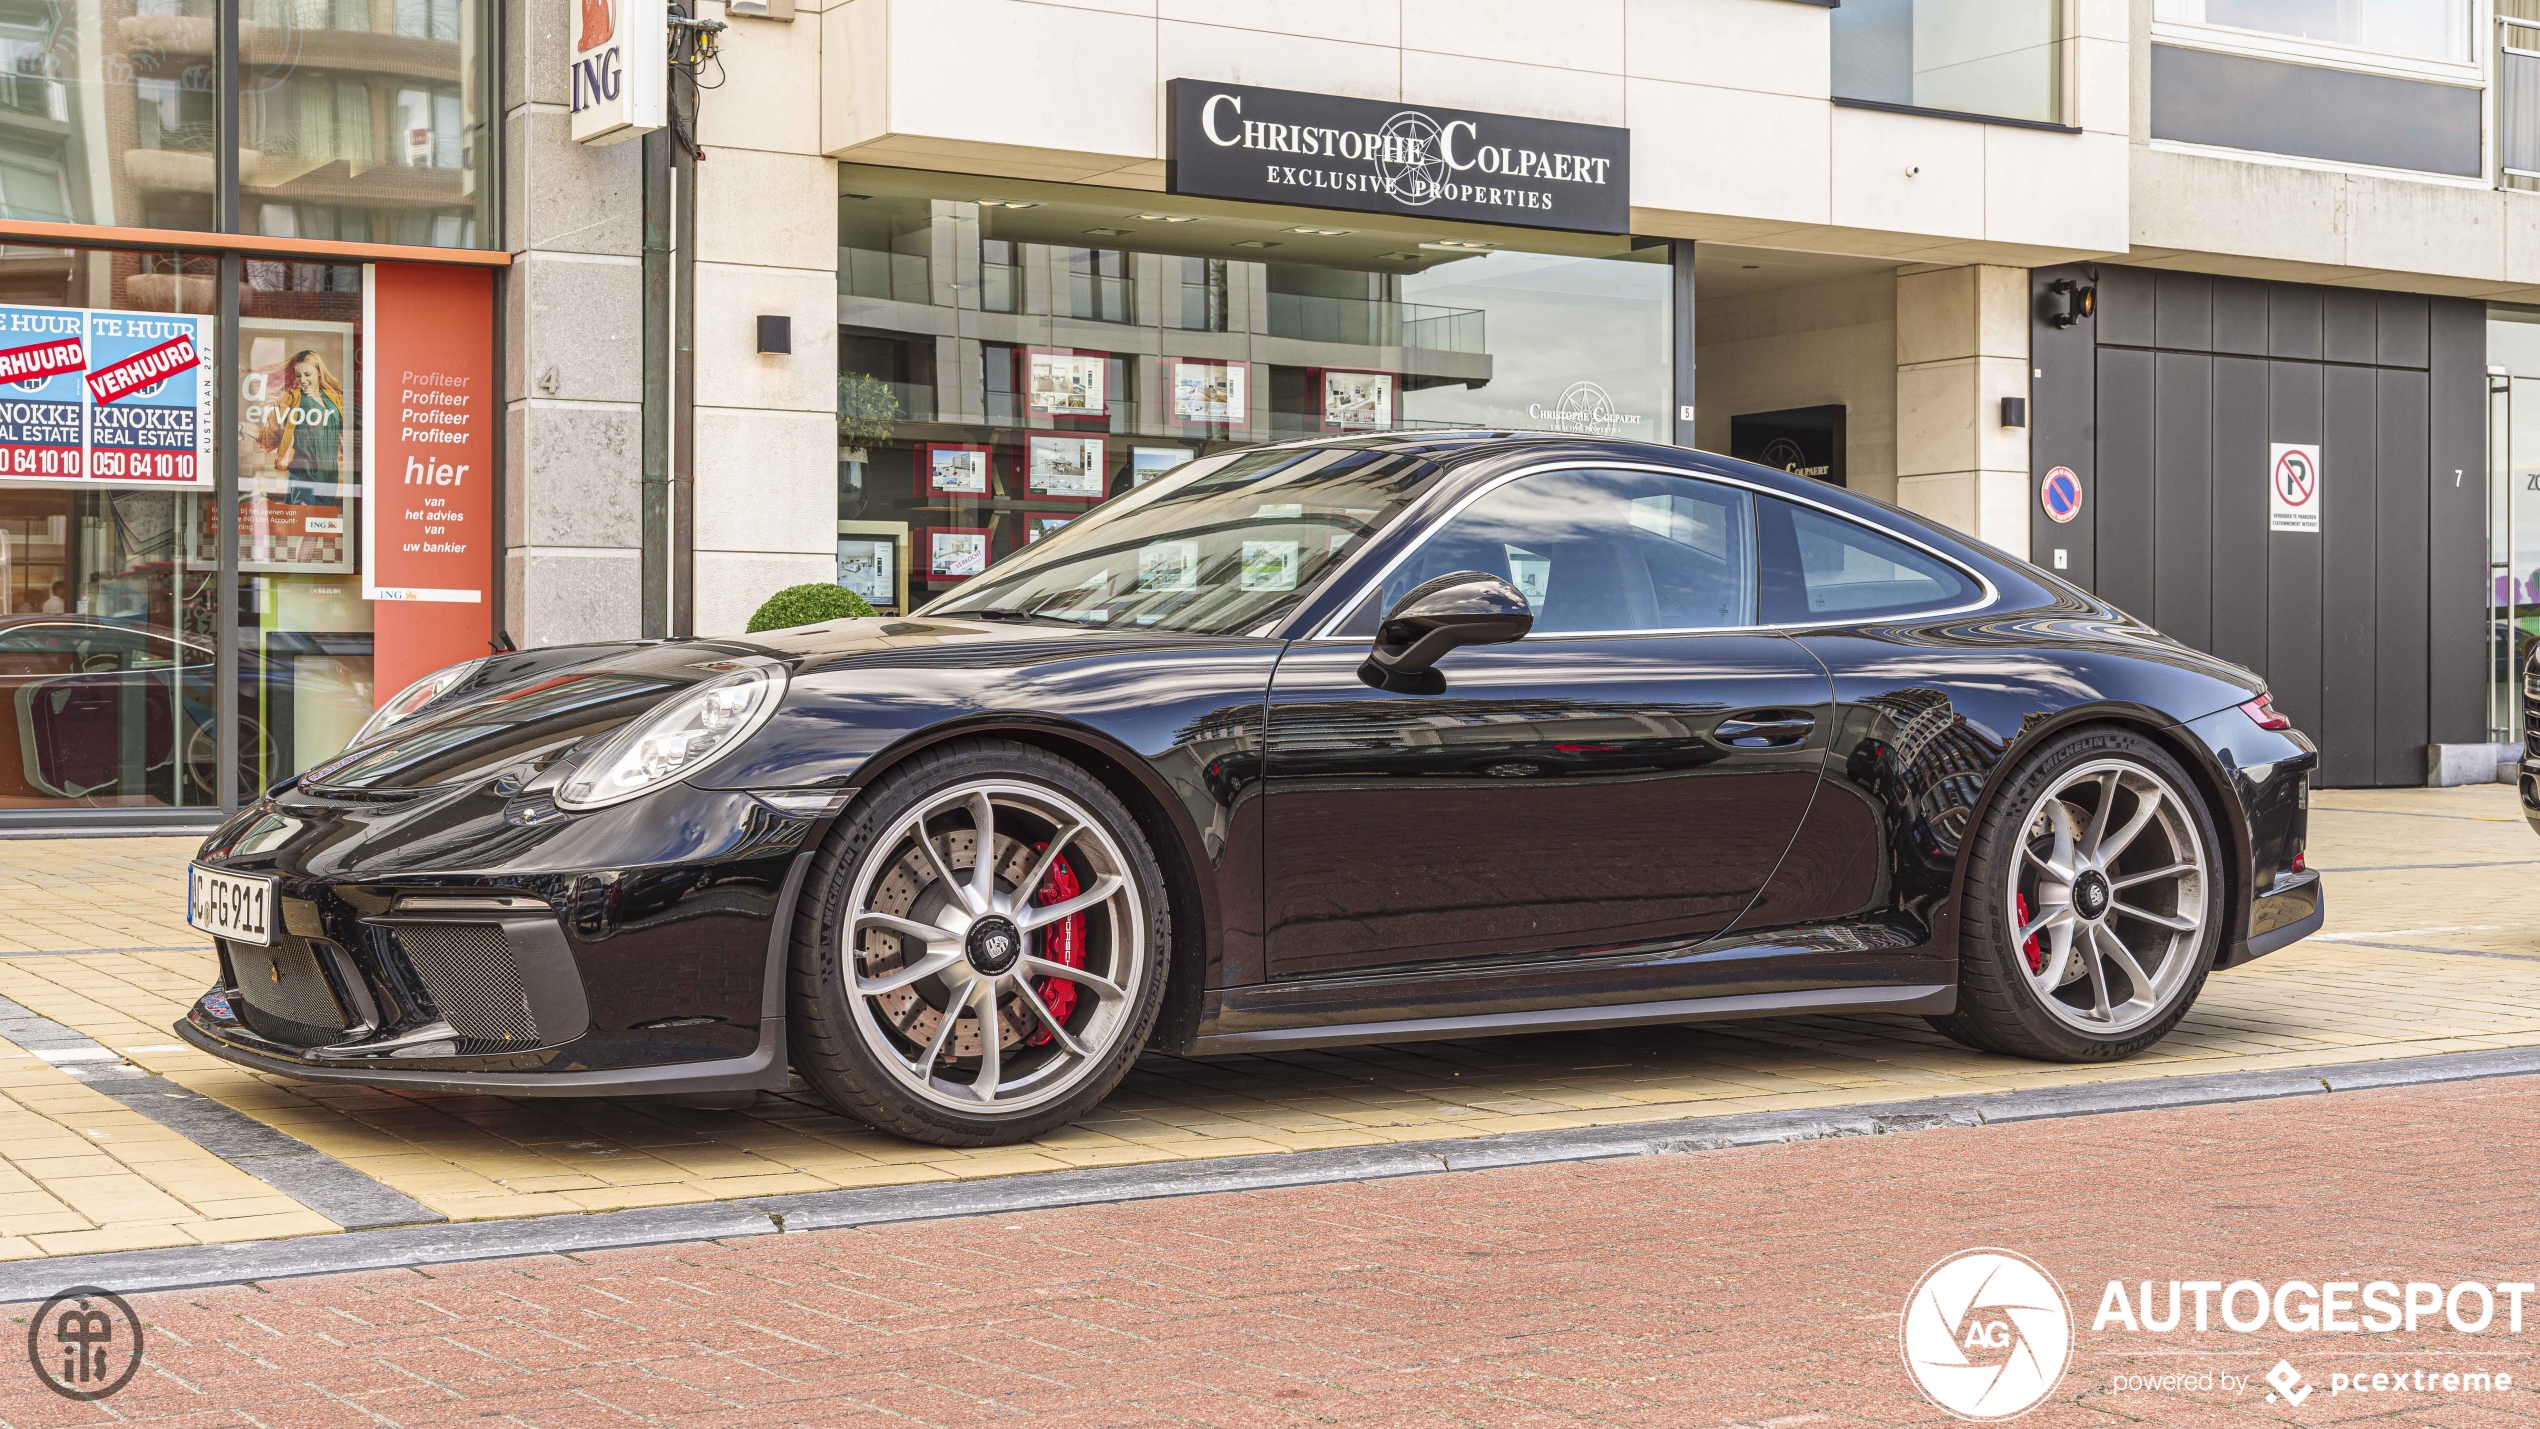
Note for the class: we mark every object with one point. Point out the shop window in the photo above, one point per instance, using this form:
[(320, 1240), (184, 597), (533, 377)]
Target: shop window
[(1098, 286), (1989, 58), (1203, 293), (886, 248), (964, 439), (363, 120), (1000, 277)]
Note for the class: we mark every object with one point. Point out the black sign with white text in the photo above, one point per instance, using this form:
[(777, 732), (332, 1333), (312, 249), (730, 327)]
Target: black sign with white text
[(1280, 146)]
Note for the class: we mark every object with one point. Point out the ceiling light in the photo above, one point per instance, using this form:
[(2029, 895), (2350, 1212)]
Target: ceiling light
[(1750, 267), (1256, 243), (1460, 245), (1008, 203), (1166, 217), (1399, 257), (1106, 232), (1324, 232)]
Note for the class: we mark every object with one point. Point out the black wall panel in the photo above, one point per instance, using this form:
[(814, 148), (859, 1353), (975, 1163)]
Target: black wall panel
[(2240, 510), (2399, 587), (2063, 425), (2403, 318), (2293, 321), (2124, 560), (2183, 313), (2348, 323), (2350, 520), (2240, 316), (2370, 630), (2293, 557), (2183, 499), (2456, 617)]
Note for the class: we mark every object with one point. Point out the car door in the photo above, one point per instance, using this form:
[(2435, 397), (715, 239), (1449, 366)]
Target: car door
[(1631, 771)]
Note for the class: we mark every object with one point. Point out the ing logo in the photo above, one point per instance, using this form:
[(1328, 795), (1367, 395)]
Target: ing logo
[(599, 22)]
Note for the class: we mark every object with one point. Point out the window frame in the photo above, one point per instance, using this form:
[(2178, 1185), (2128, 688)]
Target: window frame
[(1374, 582), (2326, 54)]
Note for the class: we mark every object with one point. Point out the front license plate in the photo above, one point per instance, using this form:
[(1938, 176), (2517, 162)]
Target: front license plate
[(228, 906)]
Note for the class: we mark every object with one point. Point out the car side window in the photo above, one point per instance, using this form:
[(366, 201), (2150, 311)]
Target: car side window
[(1600, 551), (1821, 567)]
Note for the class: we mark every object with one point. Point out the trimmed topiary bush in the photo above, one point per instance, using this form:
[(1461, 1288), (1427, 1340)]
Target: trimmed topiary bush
[(808, 605)]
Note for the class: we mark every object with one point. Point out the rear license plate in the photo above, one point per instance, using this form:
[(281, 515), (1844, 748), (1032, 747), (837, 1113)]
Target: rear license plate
[(228, 906)]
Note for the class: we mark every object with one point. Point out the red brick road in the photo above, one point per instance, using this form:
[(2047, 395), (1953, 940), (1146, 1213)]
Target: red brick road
[(1741, 1287)]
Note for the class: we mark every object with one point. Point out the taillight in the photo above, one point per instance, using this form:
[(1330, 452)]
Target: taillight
[(2262, 712), (2302, 863)]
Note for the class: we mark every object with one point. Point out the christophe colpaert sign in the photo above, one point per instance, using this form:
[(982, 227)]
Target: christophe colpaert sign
[(1323, 150), (621, 69)]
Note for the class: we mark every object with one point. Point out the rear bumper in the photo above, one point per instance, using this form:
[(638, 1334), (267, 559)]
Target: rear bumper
[(2282, 916)]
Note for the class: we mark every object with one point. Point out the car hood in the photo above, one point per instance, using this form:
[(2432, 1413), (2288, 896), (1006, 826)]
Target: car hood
[(521, 713)]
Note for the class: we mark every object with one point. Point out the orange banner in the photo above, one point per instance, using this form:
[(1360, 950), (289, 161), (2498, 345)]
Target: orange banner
[(428, 415)]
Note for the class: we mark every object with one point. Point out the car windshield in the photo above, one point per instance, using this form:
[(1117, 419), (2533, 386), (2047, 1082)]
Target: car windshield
[(1214, 548)]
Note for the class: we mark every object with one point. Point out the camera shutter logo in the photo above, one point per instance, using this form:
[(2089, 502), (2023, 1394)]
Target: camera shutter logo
[(80, 1347), (1412, 161), (1987, 1334)]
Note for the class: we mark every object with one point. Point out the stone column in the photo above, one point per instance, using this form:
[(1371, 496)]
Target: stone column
[(573, 347), (767, 243), (1961, 347)]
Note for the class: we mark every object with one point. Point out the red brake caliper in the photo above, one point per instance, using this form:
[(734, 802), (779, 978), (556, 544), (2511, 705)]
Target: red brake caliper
[(1061, 942), (2036, 954)]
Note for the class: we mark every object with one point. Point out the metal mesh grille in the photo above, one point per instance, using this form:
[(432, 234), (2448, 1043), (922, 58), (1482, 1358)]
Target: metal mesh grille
[(286, 994), (473, 976)]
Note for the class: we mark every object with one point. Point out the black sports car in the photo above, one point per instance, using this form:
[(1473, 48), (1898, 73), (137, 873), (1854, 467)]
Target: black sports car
[(1349, 740)]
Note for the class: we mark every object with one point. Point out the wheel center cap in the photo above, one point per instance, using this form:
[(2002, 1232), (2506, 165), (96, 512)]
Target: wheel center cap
[(2091, 894), (994, 945)]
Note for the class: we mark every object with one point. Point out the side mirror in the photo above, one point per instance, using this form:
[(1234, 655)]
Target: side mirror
[(1463, 608)]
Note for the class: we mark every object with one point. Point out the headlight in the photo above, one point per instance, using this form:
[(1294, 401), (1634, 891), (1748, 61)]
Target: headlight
[(411, 700), (675, 740)]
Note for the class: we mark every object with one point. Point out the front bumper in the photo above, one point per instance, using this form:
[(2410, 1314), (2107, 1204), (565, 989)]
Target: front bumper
[(440, 945)]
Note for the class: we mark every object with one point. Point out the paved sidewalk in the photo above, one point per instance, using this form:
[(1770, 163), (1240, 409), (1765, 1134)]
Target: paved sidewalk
[(2433, 946), (1759, 1287)]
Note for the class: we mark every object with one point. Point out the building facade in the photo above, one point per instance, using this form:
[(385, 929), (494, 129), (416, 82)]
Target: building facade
[(903, 285)]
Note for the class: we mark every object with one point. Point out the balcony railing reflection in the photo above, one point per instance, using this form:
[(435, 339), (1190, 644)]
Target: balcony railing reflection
[(1376, 323), (871, 273)]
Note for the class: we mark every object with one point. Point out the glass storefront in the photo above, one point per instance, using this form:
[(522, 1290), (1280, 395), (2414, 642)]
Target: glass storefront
[(2513, 510), (1010, 354)]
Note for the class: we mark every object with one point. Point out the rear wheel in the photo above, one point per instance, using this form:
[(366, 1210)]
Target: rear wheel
[(982, 949), (2093, 906)]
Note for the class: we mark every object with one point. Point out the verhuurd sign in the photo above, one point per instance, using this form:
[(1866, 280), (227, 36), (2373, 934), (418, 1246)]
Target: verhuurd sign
[(1279, 146)]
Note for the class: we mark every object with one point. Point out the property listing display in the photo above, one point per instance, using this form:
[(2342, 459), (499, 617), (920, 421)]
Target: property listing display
[(102, 394)]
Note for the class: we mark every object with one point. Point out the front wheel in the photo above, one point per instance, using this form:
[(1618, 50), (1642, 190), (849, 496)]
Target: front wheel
[(2093, 906), (982, 949)]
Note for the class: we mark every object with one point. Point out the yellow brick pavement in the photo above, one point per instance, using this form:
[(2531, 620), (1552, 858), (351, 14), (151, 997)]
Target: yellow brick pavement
[(2417, 959)]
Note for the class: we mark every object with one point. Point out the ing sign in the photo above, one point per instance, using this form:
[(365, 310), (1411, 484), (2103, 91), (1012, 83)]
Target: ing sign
[(621, 69)]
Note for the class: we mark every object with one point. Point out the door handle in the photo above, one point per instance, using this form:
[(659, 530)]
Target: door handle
[(1765, 729)]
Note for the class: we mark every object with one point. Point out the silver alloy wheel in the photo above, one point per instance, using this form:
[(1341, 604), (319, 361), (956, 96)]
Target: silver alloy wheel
[(2107, 897), (949, 962)]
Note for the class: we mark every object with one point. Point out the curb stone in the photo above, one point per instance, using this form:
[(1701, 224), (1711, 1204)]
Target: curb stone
[(195, 1267)]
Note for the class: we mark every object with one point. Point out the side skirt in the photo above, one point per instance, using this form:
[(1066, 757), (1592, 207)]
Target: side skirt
[(1917, 998)]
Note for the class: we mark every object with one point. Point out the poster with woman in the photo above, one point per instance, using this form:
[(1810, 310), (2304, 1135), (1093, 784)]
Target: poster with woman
[(297, 472)]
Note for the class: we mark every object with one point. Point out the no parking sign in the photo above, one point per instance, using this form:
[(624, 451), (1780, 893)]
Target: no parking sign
[(2293, 487), (2060, 494)]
